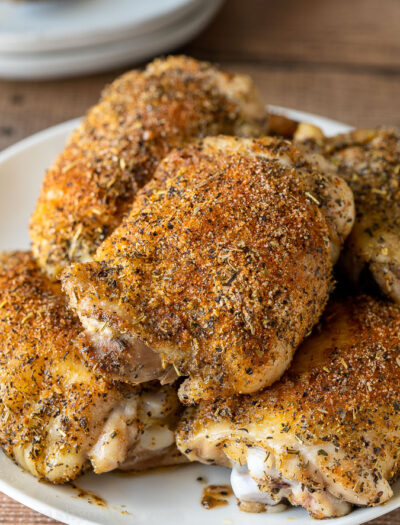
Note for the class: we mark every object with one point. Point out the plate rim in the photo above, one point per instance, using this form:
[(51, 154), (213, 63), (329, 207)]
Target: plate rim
[(54, 40), (90, 59), (70, 124), (65, 128)]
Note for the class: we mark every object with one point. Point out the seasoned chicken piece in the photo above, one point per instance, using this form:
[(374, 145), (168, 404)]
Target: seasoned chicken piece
[(327, 436), (369, 160), (115, 150), (57, 416), (220, 270)]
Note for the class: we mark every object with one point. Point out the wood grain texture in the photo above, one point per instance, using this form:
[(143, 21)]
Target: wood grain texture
[(361, 34), (12, 513), (339, 59)]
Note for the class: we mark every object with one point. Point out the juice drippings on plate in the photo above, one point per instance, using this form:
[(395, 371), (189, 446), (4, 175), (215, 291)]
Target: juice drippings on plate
[(90, 496), (215, 496)]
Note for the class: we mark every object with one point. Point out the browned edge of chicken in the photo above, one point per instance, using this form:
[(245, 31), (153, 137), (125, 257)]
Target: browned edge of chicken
[(58, 416), (327, 435)]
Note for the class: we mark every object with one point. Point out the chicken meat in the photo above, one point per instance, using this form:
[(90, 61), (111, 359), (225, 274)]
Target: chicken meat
[(222, 267), (58, 417), (116, 148), (327, 436), (369, 160)]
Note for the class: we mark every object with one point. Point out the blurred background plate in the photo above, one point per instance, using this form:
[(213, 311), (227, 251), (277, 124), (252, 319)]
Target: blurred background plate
[(49, 25), (90, 59)]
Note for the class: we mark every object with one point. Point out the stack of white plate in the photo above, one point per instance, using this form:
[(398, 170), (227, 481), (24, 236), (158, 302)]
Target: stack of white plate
[(57, 38)]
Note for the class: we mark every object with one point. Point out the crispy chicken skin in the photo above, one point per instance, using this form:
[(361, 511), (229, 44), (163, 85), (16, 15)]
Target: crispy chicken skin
[(139, 119), (369, 160), (57, 416), (222, 267), (327, 436)]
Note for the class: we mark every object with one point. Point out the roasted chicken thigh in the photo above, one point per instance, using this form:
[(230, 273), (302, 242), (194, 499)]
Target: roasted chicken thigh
[(369, 160), (116, 148), (221, 269), (57, 415), (327, 436)]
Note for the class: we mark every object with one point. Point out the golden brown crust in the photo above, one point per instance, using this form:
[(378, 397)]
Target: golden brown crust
[(281, 126), (140, 117), (53, 407), (222, 266), (356, 345), (37, 334), (340, 395), (369, 161)]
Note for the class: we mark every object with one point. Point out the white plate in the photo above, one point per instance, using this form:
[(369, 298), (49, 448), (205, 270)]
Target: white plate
[(51, 25), (90, 59), (155, 498)]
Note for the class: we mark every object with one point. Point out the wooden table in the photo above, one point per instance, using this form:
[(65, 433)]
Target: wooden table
[(339, 59)]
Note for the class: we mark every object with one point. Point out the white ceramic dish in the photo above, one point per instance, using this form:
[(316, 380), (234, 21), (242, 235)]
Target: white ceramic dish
[(40, 26), (113, 54), (163, 497)]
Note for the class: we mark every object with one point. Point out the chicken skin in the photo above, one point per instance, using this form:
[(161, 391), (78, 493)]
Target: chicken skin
[(221, 269), (327, 436), (57, 416), (369, 160), (116, 148)]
